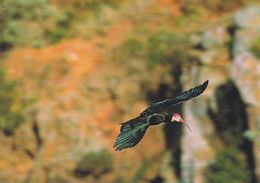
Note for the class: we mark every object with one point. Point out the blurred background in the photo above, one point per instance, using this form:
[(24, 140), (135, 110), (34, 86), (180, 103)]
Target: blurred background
[(72, 71)]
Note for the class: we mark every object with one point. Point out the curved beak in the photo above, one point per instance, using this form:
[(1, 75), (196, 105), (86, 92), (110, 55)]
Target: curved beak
[(182, 121)]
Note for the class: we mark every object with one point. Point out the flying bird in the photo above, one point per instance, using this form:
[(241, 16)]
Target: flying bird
[(132, 131)]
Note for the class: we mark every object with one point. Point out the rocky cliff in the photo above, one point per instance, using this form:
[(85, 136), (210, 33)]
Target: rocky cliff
[(106, 68)]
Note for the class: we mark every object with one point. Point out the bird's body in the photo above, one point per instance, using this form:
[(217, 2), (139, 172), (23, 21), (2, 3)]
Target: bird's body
[(132, 131)]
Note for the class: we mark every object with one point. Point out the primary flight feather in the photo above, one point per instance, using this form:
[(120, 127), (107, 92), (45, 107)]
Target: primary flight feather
[(132, 131)]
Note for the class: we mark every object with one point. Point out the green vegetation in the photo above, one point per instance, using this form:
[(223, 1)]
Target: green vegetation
[(22, 21), (94, 4), (216, 5), (39, 22), (229, 166), (57, 180), (94, 163), (30, 9), (165, 47), (140, 172), (62, 26), (10, 111), (130, 48), (255, 47), (233, 163), (138, 176), (250, 135), (222, 5), (133, 47)]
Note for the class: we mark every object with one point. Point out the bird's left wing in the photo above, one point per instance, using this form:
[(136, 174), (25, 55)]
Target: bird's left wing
[(191, 93), (131, 133), (184, 96)]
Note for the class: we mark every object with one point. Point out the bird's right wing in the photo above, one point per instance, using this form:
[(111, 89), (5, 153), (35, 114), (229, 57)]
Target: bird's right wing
[(131, 133)]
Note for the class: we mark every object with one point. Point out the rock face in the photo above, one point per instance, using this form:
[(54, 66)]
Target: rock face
[(248, 18), (219, 65), (82, 95), (245, 70), (197, 147)]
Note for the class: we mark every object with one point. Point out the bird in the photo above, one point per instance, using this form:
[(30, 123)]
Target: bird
[(133, 130)]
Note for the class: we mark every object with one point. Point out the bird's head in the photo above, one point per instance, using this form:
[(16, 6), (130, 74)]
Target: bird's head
[(177, 118)]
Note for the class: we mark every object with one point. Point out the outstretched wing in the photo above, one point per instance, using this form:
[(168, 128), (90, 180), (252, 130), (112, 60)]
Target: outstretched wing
[(193, 92), (184, 96), (131, 133)]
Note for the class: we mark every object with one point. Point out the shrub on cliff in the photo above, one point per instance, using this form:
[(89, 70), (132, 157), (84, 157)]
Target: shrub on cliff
[(10, 110), (94, 163), (22, 21), (93, 4), (255, 47), (164, 47), (229, 166)]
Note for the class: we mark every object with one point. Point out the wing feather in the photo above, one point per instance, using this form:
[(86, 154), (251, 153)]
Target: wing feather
[(132, 131), (193, 92), (131, 134), (184, 96)]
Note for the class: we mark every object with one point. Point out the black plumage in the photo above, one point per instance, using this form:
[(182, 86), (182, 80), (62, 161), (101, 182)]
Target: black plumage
[(132, 131)]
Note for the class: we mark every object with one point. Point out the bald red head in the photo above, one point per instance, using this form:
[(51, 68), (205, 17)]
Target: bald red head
[(177, 118)]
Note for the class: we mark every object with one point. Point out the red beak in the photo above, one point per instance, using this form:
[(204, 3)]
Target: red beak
[(182, 121)]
